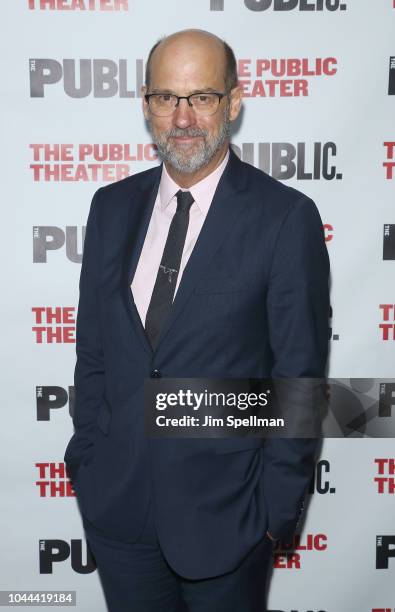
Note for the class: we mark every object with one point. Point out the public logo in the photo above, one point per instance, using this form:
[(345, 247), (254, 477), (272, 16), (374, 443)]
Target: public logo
[(328, 232), (52, 552), (389, 163), (287, 555), (387, 326), (320, 482), (385, 469), (363, 406), (391, 78), (385, 551), (283, 5), (54, 325), (304, 161), (389, 241), (386, 399), (80, 78), (53, 480), (50, 397), (51, 238), (87, 162), (282, 77), (79, 5)]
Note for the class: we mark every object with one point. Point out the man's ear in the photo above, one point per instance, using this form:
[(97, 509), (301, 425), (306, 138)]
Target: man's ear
[(236, 95), (144, 102)]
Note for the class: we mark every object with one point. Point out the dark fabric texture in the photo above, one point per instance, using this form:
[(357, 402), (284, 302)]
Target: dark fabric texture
[(253, 302)]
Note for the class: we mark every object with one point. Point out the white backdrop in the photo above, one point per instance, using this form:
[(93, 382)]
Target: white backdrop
[(347, 113)]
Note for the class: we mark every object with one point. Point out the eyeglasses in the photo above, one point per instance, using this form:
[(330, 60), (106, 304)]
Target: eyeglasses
[(164, 104)]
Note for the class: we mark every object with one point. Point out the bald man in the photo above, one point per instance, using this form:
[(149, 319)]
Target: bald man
[(203, 267)]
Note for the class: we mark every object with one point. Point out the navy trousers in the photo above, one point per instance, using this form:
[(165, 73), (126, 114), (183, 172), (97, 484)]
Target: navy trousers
[(137, 578)]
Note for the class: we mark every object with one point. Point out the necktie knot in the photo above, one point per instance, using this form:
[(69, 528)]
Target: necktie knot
[(184, 201)]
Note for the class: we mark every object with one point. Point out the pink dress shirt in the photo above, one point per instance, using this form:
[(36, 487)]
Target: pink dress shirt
[(155, 239)]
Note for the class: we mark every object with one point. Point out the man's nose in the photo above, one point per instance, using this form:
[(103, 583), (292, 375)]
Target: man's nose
[(184, 115)]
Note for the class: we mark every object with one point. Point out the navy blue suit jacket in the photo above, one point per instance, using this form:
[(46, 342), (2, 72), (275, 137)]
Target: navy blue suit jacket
[(252, 302)]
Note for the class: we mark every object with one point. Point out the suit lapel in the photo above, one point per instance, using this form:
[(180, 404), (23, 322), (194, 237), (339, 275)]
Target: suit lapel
[(139, 217)]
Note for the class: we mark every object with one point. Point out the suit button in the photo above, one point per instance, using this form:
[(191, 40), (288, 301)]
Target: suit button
[(156, 374)]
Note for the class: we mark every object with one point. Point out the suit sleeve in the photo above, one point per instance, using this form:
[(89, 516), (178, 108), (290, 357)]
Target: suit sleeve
[(89, 369), (298, 310)]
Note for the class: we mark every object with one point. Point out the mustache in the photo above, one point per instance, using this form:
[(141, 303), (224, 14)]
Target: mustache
[(187, 132)]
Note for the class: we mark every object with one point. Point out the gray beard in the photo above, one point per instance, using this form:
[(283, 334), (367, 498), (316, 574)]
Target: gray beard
[(188, 164)]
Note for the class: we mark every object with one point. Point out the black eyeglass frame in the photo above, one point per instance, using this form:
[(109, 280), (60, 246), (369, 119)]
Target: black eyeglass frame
[(187, 98)]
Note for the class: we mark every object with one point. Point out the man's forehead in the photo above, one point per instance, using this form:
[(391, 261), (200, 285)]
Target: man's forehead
[(194, 71), (186, 88)]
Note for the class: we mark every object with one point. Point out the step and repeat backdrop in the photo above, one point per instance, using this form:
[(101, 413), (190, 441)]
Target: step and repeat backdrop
[(318, 78)]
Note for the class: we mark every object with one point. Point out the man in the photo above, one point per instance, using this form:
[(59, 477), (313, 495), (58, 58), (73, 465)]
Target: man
[(201, 267)]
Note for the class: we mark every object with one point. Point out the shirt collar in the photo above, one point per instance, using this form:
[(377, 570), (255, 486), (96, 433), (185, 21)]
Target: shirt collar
[(202, 192)]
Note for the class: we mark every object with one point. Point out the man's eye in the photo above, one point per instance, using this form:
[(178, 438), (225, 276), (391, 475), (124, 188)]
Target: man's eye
[(202, 98), (164, 97)]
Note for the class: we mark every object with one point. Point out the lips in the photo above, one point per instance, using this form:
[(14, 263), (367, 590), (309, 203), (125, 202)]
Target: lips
[(185, 139)]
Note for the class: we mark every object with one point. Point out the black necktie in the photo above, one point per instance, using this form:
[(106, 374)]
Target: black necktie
[(166, 279)]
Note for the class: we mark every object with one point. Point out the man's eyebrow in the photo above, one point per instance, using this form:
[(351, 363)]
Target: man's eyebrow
[(204, 90), (160, 90), (170, 91)]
